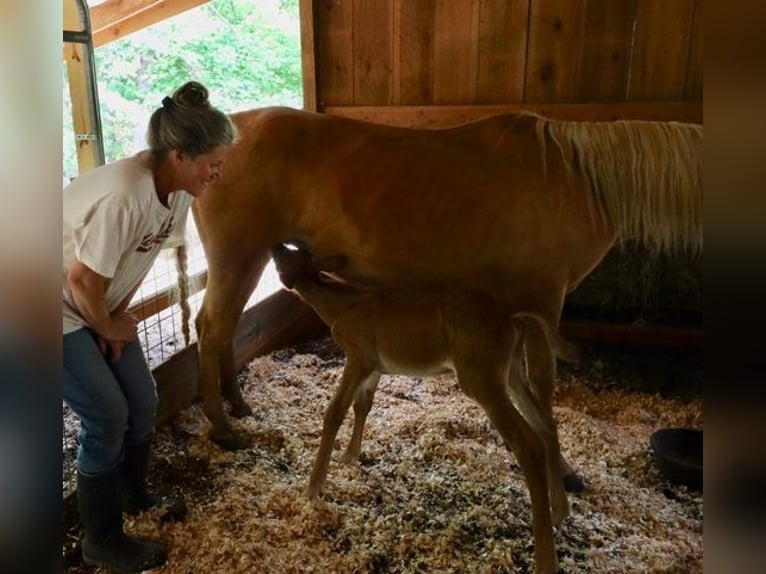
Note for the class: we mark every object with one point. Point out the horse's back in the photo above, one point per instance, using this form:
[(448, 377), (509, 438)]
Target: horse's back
[(504, 197), (403, 204)]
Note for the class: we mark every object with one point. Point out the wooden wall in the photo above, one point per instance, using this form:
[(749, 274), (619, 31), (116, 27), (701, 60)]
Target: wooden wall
[(630, 54)]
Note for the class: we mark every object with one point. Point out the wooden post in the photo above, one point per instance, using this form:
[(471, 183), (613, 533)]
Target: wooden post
[(78, 55), (308, 55)]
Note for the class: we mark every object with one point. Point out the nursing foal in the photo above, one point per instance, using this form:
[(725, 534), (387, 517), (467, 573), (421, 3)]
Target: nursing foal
[(427, 333)]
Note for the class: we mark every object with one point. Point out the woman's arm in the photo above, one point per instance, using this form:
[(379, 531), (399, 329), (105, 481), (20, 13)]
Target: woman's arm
[(125, 303), (89, 292)]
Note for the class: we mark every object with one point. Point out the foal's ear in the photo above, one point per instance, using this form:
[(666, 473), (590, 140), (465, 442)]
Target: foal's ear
[(330, 264)]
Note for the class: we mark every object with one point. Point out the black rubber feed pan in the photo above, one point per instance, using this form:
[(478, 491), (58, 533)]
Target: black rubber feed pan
[(678, 455)]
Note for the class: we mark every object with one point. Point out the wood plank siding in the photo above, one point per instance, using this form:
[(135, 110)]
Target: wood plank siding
[(607, 45), (503, 28), (694, 69), (372, 51), (384, 53), (334, 35), (413, 50), (661, 50)]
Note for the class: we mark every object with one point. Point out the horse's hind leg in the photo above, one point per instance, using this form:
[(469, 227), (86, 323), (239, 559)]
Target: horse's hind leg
[(529, 407), (489, 390), (542, 375)]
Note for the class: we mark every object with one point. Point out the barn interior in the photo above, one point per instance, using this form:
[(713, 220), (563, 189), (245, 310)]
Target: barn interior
[(435, 491)]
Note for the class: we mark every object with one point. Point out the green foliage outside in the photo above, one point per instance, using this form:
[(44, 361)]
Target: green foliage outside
[(247, 52)]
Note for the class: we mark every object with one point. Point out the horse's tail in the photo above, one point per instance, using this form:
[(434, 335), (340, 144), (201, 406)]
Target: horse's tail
[(183, 291), (644, 178)]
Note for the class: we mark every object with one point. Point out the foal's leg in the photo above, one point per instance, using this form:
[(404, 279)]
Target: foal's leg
[(488, 387), (362, 405), (354, 374)]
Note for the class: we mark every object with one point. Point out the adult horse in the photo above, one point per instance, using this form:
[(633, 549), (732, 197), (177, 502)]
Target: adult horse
[(517, 205)]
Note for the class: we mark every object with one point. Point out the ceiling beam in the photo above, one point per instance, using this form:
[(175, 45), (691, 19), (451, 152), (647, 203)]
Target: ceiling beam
[(116, 19), (112, 11)]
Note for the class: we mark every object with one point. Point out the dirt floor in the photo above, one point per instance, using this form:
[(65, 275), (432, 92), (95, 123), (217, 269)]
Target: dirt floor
[(435, 490)]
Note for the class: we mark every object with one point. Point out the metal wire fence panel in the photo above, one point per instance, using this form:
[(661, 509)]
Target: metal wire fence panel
[(161, 333)]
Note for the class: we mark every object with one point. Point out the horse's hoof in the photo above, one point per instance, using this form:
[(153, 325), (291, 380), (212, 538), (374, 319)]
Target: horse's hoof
[(230, 442), (349, 457), (559, 514), (573, 483), (240, 410)]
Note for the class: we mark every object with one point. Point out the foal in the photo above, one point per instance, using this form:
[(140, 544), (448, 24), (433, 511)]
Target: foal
[(427, 333)]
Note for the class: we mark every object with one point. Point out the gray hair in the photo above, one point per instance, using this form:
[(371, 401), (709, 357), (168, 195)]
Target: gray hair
[(187, 122)]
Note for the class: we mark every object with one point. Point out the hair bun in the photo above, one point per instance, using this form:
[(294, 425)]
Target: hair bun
[(192, 94)]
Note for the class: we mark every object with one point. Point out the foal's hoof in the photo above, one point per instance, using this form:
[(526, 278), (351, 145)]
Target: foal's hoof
[(240, 410), (573, 483), (349, 456), (230, 442), (312, 493)]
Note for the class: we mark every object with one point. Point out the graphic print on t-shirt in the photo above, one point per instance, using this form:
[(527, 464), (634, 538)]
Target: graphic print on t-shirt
[(151, 239)]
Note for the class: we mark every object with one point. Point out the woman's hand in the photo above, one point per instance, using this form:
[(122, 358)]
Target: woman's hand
[(124, 328), (89, 292), (112, 350)]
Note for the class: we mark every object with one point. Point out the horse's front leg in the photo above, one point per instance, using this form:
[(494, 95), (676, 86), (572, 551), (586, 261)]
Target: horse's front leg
[(225, 297), (210, 338), (230, 389)]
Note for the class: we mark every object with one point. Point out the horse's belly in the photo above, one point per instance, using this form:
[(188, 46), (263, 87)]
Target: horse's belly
[(398, 365)]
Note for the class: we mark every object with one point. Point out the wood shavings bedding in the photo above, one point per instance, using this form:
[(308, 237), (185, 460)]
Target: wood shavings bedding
[(434, 490)]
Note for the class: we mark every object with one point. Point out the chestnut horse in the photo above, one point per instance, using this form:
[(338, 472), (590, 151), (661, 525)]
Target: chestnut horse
[(516, 205)]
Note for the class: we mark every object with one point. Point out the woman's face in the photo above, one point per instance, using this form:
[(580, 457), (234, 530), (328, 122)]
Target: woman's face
[(194, 174)]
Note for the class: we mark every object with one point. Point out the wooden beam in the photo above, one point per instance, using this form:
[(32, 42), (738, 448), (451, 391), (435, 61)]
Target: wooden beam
[(270, 325), (77, 57), (112, 11), (621, 333), (442, 116), (134, 15), (165, 297), (71, 16), (308, 55)]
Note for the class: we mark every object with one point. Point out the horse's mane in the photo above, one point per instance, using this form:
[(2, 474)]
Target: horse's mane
[(643, 178)]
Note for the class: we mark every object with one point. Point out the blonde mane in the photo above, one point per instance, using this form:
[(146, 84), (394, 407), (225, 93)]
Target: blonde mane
[(643, 178)]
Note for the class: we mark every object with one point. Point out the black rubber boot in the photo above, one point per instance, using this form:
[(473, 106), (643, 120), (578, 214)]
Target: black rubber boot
[(105, 544), (135, 497)]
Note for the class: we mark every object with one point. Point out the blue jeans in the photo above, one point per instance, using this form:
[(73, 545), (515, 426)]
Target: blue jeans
[(115, 402)]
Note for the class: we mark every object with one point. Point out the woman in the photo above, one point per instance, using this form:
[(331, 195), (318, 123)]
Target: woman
[(116, 218)]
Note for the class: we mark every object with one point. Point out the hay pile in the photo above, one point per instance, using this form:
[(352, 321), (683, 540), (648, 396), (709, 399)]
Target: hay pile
[(435, 490)]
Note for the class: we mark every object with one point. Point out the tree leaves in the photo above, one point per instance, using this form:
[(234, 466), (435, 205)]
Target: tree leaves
[(247, 54)]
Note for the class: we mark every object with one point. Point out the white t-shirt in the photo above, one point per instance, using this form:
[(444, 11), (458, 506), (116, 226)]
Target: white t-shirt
[(115, 224)]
